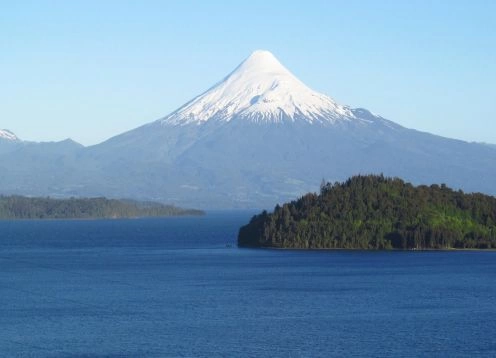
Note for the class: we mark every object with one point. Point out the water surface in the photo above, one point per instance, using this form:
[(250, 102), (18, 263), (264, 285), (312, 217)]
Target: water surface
[(180, 287)]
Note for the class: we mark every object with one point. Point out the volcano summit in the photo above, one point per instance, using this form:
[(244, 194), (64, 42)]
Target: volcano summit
[(261, 90)]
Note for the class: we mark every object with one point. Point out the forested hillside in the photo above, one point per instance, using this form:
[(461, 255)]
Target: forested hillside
[(19, 207), (376, 212)]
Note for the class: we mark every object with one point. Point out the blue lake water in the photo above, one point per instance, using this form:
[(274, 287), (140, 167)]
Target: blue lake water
[(173, 287)]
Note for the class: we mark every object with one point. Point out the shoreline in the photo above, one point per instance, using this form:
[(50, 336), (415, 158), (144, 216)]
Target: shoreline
[(357, 249), (104, 218)]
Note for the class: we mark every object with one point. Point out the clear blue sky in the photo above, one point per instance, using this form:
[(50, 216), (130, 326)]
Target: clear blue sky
[(93, 69)]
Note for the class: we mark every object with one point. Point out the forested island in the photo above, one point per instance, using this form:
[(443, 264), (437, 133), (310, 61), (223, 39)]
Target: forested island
[(376, 212), (20, 207)]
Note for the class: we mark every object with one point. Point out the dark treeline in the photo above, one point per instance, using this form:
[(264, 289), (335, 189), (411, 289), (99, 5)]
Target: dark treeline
[(375, 212), (19, 207)]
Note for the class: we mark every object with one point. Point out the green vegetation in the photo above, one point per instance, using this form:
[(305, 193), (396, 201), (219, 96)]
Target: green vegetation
[(19, 207), (375, 212)]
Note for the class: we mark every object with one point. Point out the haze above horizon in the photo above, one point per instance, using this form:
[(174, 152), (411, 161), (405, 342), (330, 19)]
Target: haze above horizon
[(93, 70)]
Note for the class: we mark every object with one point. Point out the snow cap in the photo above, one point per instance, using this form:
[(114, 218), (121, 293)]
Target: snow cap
[(260, 89)]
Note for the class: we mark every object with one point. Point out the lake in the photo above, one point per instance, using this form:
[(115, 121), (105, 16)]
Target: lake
[(179, 287)]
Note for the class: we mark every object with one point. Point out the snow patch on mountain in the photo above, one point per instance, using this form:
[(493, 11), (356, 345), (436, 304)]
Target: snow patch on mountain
[(260, 89), (8, 135)]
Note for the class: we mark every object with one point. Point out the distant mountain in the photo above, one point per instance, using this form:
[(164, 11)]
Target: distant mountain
[(38, 168), (8, 141), (258, 137)]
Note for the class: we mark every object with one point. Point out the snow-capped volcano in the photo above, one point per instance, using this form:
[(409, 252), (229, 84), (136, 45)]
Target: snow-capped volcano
[(260, 89), (8, 135), (227, 149)]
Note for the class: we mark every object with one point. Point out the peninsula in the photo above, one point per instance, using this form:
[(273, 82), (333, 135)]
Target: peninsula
[(376, 212), (20, 207)]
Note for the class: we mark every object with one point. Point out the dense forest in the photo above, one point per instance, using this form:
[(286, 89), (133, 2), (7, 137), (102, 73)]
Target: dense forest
[(19, 207), (375, 212)]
